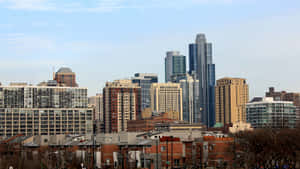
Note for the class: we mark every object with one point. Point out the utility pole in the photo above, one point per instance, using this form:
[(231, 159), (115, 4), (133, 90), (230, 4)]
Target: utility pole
[(157, 152), (171, 152), (144, 157), (167, 154), (93, 148)]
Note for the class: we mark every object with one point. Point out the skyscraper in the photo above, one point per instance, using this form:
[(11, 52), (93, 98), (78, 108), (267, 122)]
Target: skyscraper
[(122, 102), (190, 96), (174, 64), (65, 77), (166, 97), (201, 62), (144, 80), (231, 95)]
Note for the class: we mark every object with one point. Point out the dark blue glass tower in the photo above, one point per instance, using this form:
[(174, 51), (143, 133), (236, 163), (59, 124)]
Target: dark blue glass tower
[(201, 62), (192, 58)]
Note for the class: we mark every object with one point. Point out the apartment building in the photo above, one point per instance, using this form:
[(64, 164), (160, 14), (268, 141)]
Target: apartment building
[(231, 96), (122, 102), (166, 97), (44, 110)]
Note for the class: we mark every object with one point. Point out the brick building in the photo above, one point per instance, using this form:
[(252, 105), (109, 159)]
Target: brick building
[(65, 77), (122, 102), (148, 124)]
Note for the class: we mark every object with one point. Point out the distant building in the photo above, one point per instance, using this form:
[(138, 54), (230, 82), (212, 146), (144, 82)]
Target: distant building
[(201, 63), (145, 125), (144, 80), (240, 126), (179, 126), (231, 96), (190, 97), (277, 96), (18, 84), (43, 110), (175, 63), (177, 77), (271, 114), (166, 97), (97, 103), (48, 83), (65, 77), (286, 96), (122, 102)]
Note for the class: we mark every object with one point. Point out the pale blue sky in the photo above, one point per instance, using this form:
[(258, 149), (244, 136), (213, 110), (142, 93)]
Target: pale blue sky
[(104, 40)]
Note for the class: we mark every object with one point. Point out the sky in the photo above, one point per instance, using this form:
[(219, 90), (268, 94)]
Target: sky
[(104, 40)]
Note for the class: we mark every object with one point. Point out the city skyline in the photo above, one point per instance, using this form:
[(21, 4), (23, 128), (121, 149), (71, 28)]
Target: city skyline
[(241, 48)]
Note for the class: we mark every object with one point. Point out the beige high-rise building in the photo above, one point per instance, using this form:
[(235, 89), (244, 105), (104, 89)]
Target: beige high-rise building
[(97, 103), (166, 97), (231, 95)]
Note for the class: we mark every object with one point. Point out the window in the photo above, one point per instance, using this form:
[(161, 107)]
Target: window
[(176, 162)]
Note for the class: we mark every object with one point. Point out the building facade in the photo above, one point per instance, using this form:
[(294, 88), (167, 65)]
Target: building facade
[(201, 63), (286, 96), (43, 97), (144, 80), (42, 110), (271, 114), (122, 102), (65, 77), (166, 97), (190, 96), (97, 103), (175, 63), (231, 96)]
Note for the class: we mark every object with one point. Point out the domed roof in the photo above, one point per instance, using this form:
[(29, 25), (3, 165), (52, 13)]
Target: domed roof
[(64, 70)]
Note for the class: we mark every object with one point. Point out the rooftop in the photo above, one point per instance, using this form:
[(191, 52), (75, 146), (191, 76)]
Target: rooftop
[(64, 70)]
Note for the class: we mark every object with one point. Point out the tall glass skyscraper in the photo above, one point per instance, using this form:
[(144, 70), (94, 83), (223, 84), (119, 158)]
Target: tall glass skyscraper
[(201, 63), (175, 64)]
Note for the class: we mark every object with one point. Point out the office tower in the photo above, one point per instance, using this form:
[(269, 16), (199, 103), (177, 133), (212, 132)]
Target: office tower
[(174, 64), (43, 110), (201, 63), (166, 97), (231, 96), (190, 96), (65, 77), (122, 102), (271, 114), (97, 103), (286, 96), (144, 80)]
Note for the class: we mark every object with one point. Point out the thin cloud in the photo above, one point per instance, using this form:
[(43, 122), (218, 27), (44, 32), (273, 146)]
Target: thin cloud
[(35, 5), (101, 5), (26, 44)]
